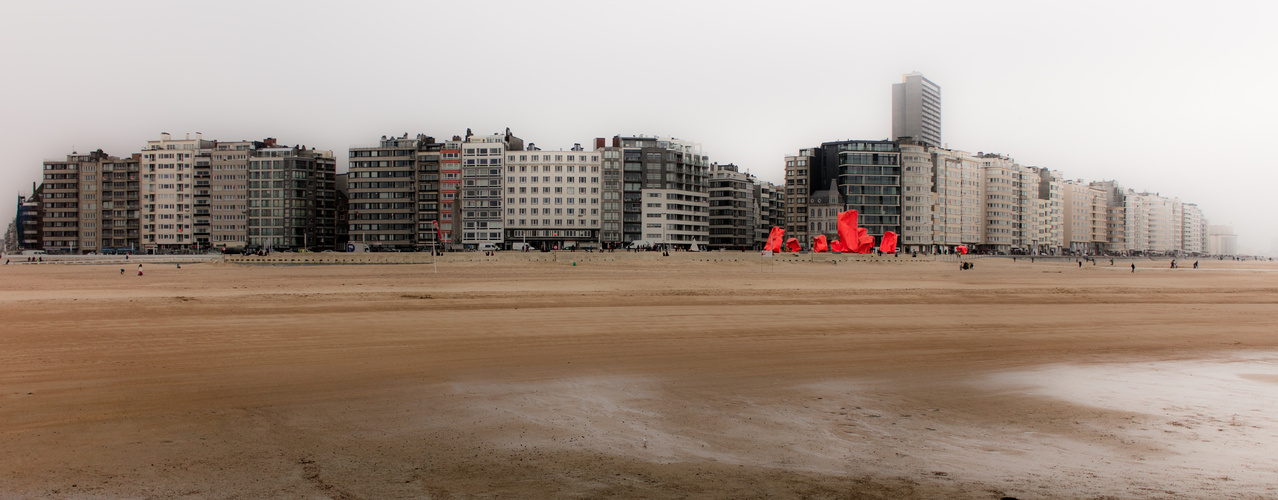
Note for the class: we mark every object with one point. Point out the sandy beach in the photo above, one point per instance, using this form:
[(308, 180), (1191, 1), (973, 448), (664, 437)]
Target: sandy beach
[(634, 378)]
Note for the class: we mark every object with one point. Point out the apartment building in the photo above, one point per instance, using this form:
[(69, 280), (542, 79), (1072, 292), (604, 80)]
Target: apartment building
[(610, 192), (482, 194), (733, 218), (770, 206), (1085, 211), (1193, 229), (1115, 216), (167, 167), (1050, 214), (1221, 240), (27, 221), (919, 200), (89, 203), (868, 175), (60, 206), (1000, 193), (553, 198), (450, 170), (382, 193), (1028, 237), (665, 182), (1148, 224), (224, 209), (429, 158), (798, 183), (916, 110), (292, 198), (119, 204), (958, 209)]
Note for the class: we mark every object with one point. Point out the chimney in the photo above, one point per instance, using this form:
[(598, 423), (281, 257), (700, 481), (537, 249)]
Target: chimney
[(599, 143), (616, 141), (164, 136)]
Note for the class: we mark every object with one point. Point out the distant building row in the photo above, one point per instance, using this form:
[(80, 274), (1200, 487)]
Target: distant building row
[(405, 193), (938, 199), (182, 194), (487, 192)]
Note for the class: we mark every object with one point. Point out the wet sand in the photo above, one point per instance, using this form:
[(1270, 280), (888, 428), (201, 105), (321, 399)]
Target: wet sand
[(656, 379)]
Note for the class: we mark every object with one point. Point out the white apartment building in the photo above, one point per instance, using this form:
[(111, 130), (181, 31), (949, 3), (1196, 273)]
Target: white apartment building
[(1221, 240), (167, 196), (553, 198), (1149, 221), (1084, 217), (1028, 234), (918, 222), (1050, 214), (675, 217), (1000, 191), (1193, 229), (958, 208), (482, 217)]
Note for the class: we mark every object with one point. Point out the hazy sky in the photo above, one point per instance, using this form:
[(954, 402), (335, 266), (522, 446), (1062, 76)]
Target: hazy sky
[(1171, 97)]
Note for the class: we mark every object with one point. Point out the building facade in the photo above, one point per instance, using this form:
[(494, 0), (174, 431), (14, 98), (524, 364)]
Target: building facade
[(553, 198), (292, 199), (1221, 240), (916, 110), (665, 182), (382, 193), (733, 219), (798, 183), (770, 204), (482, 216), (167, 167)]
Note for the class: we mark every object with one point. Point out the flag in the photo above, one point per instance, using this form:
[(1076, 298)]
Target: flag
[(439, 235), (792, 245), (820, 245), (889, 243), (774, 239)]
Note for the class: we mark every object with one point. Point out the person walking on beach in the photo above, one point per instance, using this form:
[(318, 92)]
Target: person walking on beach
[(1195, 264), (1080, 264), (121, 271), (1133, 267)]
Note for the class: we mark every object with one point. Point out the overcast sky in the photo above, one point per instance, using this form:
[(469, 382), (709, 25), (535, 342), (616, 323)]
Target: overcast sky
[(1171, 97)]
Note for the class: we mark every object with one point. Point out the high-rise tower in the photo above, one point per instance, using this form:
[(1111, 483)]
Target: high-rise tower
[(916, 110)]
